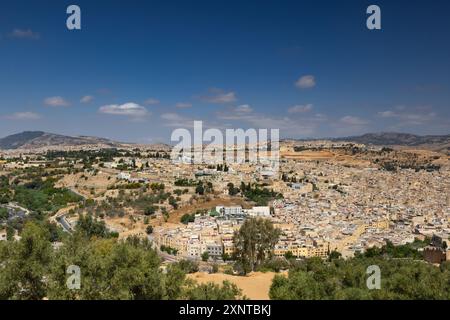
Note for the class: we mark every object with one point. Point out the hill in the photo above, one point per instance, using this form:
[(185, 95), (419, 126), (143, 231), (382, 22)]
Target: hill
[(394, 138), (39, 139), (440, 143)]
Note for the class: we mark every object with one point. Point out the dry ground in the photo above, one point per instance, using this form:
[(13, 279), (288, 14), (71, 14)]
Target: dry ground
[(308, 155), (98, 183), (255, 286)]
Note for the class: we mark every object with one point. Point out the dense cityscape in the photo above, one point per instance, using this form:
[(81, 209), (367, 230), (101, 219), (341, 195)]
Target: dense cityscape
[(214, 159), (328, 200)]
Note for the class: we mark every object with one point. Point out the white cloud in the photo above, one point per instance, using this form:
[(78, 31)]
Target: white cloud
[(219, 96), (286, 125), (23, 116), (353, 121), (320, 117), (306, 82), (237, 113), (405, 117), (24, 34), (386, 114), (56, 102), (300, 108), (129, 109), (151, 101), (244, 108), (183, 105), (349, 125), (176, 120), (172, 116), (86, 99)]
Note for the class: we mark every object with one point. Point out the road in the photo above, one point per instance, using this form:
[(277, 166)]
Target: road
[(65, 224)]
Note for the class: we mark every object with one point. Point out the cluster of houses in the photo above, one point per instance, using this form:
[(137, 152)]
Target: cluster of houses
[(212, 233)]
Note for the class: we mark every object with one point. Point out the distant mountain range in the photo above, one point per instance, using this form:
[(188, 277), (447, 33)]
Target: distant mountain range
[(29, 140), (394, 138), (39, 139), (440, 143)]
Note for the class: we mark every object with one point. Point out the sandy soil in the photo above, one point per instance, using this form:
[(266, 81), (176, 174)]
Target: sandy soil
[(308, 155), (255, 285), (99, 183)]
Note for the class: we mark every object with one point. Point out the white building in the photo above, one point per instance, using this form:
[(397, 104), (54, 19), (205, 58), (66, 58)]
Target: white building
[(229, 210), (214, 249), (263, 212), (123, 176), (110, 165)]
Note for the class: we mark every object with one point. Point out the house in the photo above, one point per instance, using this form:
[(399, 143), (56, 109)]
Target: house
[(123, 176), (259, 212), (229, 211), (214, 249)]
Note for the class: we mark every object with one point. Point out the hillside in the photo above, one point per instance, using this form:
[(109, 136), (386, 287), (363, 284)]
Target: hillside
[(439, 143), (39, 139), (393, 138)]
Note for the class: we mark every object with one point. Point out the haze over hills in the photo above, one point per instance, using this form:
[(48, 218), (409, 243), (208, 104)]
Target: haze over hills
[(440, 143), (29, 140), (33, 140), (40, 139), (394, 138)]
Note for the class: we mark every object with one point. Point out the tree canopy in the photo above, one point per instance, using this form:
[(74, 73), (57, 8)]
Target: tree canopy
[(346, 279), (254, 243), (31, 269)]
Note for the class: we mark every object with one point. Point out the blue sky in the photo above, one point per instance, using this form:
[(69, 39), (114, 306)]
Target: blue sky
[(139, 69)]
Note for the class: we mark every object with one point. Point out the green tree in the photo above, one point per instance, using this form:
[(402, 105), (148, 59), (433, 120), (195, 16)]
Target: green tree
[(3, 213), (334, 255), (211, 291), (402, 279), (25, 264), (205, 256), (254, 243), (288, 255), (10, 232), (188, 266), (186, 218), (112, 270), (89, 227), (173, 202), (150, 211), (200, 190), (299, 286)]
